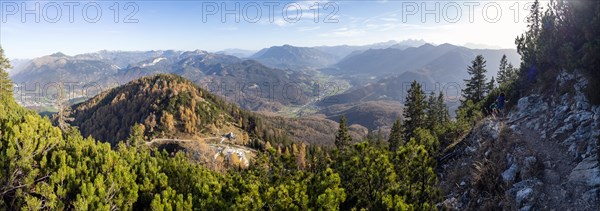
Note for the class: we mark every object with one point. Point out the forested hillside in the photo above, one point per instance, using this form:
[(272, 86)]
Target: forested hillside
[(170, 106), (167, 105), (526, 139), (46, 167)]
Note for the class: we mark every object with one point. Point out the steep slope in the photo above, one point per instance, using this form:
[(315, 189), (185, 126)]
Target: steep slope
[(543, 156), (173, 108), (167, 105)]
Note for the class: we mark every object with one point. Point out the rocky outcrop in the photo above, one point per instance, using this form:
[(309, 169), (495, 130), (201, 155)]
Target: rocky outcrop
[(566, 127), (586, 173), (545, 152)]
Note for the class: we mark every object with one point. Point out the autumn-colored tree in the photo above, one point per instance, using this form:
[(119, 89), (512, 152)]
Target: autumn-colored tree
[(301, 156)]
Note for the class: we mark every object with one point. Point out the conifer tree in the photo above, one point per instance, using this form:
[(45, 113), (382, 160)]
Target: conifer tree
[(512, 73), (5, 82), (431, 112), (396, 136), (414, 111), (476, 86), (136, 137), (418, 176), (442, 110), (342, 138), (491, 85), (503, 72)]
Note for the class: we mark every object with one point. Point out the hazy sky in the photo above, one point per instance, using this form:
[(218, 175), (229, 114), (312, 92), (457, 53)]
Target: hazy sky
[(79, 27)]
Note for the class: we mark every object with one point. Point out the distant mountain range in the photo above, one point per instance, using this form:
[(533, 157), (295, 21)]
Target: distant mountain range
[(384, 75), (249, 83), (240, 53), (17, 65), (303, 58), (296, 58), (61, 68), (342, 51), (276, 77), (443, 63)]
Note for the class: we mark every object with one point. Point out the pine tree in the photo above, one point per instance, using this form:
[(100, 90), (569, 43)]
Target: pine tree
[(476, 86), (442, 110), (437, 112), (325, 191), (136, 136), (368, 176), (512, 74), (527, 43), (370, 137), (431, 111), (342, 138), (379, 137), (491, 85), (5, 82), (419, 180), (503, 72), (396, 136), (414, 111)]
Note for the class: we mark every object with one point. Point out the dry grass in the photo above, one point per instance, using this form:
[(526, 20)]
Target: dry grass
[(483, 169), (486, 174), (486, 179)]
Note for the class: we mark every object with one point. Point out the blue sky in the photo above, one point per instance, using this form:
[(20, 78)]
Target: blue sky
[(190, 25)]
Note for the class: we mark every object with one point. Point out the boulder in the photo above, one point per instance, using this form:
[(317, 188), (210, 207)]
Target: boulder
[(581, 103), (564, 77), (529, 167), (451, 204), (563, 130), (492, 129), (509, 174), (592, 195), (587, 172), (524, 195), (596, 111), (526, 208), (530, 183)]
